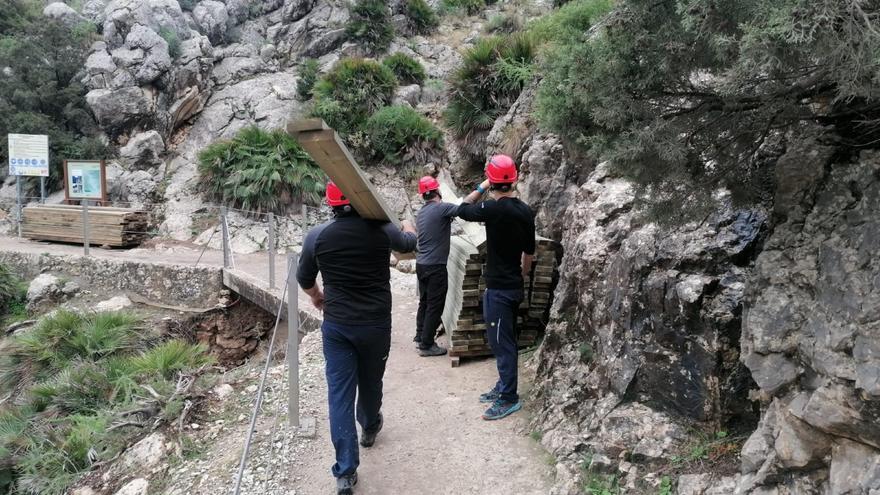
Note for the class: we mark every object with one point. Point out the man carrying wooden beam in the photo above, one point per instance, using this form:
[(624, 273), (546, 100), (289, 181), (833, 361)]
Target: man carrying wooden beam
[(352, 253), (510, 248), (434, 224)]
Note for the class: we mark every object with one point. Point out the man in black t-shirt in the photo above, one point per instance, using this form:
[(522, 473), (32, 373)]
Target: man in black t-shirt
[(510, 247), (352, 255)]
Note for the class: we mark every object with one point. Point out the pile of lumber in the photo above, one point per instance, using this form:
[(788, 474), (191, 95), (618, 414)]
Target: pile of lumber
[(463, 314), (116, 227)]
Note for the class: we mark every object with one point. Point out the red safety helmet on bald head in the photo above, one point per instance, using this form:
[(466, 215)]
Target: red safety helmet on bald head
[(501, 170), (428, 183), (334, 196)]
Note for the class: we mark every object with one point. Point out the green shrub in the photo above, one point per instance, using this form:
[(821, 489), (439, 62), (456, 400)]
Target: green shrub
[(74, 374), (569, 22), (370, 25), (407, 69), (421, 16), (505, 23), (489, 80), (352, 91), (41, 90), (12, 290), (173, 41), (260, 171), (470, 7), (308, 76), (399, 135)]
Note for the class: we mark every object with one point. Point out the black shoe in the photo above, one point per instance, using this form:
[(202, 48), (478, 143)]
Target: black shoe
[(434, 350), (345, 484), (417, 340), (368, 438)]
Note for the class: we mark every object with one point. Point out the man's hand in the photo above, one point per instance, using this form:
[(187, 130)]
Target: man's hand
[(474, 196), (317, 296), (485, 184), (407, 226)]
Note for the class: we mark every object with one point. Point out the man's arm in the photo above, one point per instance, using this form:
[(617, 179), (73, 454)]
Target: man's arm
[(475, 196), (402, 241), (307, 270), (528, 255)]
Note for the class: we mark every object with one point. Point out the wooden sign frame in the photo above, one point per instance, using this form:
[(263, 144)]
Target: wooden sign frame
[(69, 196)]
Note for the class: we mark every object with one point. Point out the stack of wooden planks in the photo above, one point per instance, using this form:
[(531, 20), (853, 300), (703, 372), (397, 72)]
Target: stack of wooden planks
[(463, 314), (116, 227)]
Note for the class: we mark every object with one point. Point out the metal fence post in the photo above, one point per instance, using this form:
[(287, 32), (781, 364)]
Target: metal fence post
[(18, 202), (85, 220), (271, 250), (292, 342), (224, 230), (305, 220)]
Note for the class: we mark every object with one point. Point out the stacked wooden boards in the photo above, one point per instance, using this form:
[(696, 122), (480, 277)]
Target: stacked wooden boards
[(463, 313), (116, 227)]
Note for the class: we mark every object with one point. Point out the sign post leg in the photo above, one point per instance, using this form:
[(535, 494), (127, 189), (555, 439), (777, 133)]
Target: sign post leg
[(85, 210), (271, 243), (42, 190), (18, 201), (292, 342)]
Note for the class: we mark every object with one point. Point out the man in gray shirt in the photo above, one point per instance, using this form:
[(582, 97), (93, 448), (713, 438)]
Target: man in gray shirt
[(434, 227)]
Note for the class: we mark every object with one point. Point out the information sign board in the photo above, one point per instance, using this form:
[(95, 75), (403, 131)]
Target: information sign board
[(29, 155)]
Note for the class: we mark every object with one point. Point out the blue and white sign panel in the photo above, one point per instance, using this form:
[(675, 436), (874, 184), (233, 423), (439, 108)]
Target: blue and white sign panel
[(29, 155)]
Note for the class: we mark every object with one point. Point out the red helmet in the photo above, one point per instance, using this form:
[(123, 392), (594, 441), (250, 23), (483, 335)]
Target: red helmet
[(428, 183), (334, 195), (501, 170)]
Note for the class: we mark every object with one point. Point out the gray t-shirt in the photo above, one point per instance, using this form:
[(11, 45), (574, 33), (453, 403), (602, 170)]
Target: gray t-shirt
[(434, 225)]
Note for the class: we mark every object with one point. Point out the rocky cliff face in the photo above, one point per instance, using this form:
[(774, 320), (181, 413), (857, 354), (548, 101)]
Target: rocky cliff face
[(655, 330), (811, 331)]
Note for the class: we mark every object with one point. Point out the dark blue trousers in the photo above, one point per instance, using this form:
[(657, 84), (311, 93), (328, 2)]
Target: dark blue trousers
[(499, 310), (355, 358)]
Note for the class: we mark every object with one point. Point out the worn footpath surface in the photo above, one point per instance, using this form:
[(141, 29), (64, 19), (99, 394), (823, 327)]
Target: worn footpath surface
[(434, 441)]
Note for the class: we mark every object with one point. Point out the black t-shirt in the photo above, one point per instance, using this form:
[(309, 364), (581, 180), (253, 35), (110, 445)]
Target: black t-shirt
[(510, 232), (352, 255)]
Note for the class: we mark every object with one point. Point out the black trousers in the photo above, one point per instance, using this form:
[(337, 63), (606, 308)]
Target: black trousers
[(432, 298)]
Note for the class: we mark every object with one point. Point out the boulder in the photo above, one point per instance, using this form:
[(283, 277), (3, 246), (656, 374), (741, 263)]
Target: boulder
[(407, 95), (100, 68), (121, 16), (137, 486), (294, 10), (855, 468), (693, 484), (118, 109), (94, 10), (44, 290), (211, 18), (141, 459), (153, 60), (143, 150), (115, 303), (59, 11)]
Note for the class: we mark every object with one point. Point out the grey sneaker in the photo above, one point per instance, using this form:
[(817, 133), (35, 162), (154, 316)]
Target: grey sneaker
[(434, 350), (490, 396), (345, 484)]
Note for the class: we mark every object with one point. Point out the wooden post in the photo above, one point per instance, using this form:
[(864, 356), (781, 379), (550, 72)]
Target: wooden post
[(271, 250), (85, 210), (292, 342), (225, 235)]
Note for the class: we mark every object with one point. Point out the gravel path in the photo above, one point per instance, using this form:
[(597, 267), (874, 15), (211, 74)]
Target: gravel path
[(434, 441)]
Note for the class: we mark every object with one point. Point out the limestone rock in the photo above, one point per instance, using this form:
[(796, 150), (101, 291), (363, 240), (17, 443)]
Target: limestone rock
[(117, 109), (59, 11), (115, 303), (156, 59), (211, 17), (44, 290), (407, 95), (143, 150), (223, 390), (138, 486), (141, 459), (855, 468), (100, 68), (294, 10), (693, 484), (121, 16)]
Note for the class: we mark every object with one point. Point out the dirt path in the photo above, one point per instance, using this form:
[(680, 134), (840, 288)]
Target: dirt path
[(434, 441)]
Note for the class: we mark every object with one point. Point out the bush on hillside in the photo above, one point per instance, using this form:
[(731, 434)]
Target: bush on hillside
[(764, 68), (421, 16), (262, 171), (351, 92), (68, 380), (12, 290), (308, 76), (370, 25), (570, 21), (505, 23), (469, 7), (173, 41), (407, 69), (487, 83), (401, 136), (40, 89)]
